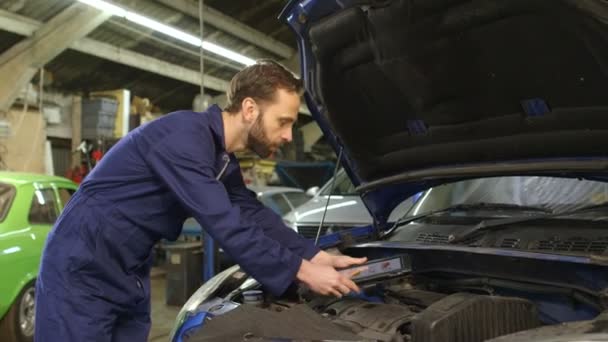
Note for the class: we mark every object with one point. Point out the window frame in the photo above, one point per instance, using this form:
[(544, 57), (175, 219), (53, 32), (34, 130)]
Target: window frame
[(43, 188)]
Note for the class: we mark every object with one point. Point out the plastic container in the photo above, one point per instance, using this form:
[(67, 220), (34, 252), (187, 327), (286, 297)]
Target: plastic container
[(253, 297), (98, 117), (184, 265), (97, 105), (94, 133)]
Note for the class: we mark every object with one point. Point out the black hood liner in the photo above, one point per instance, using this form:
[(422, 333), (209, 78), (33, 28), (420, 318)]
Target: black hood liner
[(414, 84)]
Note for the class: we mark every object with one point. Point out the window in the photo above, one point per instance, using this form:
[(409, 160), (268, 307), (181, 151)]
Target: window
[(281, 204), (342, 187), (7, 193), (43, 209), (65, 195), (297, 198), (552, 193)]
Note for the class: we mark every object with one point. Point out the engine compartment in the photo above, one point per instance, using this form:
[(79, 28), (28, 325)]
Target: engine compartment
[(416, 292), (395, 309), (419, 315)]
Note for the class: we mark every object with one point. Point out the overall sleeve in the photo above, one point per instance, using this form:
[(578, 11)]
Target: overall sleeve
[(184, 162), (271, 222)]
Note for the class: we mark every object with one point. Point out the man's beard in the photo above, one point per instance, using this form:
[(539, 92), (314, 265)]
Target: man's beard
[(257, 141)]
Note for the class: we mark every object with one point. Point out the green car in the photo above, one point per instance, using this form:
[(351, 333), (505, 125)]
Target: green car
[(29, 205)]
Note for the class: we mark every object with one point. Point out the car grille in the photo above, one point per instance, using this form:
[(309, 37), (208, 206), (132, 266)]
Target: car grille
[(597, 246), (432, 238), (310, 231), (436, 238), (509, 243)]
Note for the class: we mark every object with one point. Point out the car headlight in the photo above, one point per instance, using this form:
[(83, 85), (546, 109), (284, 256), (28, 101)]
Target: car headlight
[(200, 296), (291, 225)]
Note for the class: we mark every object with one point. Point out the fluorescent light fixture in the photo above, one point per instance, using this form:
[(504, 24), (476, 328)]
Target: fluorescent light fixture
[(166, 29), (169, 31), (218, 50), (106, 7)]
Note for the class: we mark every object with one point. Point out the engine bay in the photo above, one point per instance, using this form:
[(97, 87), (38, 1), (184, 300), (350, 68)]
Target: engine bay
[(404, 313), (397, 305)]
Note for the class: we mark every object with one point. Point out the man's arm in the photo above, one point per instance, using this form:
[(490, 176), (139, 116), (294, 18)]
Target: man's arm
[(184, 162), (271, 223)]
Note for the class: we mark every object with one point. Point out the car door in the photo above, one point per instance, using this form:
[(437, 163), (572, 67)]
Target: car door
[(43, 212), (36, 206), (64, 193)]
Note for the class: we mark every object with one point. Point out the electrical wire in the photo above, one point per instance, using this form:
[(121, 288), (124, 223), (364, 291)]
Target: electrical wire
[(331, 190)]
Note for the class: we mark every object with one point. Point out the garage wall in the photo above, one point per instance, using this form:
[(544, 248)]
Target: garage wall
[(62, 155), (24, 149), (61, 126)]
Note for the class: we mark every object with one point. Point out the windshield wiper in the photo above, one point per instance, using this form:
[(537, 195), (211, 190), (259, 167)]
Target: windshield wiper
[(484, 226), (464, 207)]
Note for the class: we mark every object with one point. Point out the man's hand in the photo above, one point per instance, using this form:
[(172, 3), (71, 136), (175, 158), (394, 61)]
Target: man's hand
[(325, 280), (336, 261)]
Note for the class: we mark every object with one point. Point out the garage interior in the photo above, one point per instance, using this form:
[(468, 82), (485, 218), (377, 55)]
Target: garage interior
[(113, 56), (64, 63), (446, 178)]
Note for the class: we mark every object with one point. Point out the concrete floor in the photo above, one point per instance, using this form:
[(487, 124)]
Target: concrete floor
[(163, 316)]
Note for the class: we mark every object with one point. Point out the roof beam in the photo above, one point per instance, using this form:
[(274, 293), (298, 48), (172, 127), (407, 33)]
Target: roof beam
[(18, 24), (25, 26), (143, 62), (232, 26), (19, 64)]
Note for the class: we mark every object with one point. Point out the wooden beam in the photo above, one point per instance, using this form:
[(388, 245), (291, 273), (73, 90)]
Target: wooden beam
[(76, 129), (25, 26), (21, 62), (231, 26)]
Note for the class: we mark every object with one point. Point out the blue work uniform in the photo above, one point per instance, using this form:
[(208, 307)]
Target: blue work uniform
[(94, 283)]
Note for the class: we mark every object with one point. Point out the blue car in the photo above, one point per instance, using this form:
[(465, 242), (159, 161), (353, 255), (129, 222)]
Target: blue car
[(497, 112)]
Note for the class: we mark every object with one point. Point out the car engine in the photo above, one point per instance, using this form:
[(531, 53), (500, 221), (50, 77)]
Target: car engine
[(459, 317), (390, 310)]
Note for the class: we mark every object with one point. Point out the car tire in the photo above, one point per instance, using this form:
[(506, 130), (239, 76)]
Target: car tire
[(18, 323)]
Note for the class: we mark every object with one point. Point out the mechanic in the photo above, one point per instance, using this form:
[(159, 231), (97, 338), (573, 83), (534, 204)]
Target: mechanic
[(94, 281)]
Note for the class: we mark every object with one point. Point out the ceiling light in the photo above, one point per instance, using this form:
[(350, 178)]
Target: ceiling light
[(166, 29), (169, 31), (106, 7), (237, 57)]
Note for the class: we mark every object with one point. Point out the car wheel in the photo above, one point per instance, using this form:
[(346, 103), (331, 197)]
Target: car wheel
[(18, 323)]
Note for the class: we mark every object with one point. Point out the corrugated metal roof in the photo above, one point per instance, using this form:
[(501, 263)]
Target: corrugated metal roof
[(74, 71), (41, 10), (260, 14)]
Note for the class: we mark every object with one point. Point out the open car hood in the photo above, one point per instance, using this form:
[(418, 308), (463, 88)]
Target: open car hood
[(420, 93)]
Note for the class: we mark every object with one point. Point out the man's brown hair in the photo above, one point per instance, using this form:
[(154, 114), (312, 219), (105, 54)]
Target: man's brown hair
[(260, 81)]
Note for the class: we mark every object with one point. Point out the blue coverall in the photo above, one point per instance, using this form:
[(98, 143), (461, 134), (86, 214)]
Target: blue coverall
[(94, 284)]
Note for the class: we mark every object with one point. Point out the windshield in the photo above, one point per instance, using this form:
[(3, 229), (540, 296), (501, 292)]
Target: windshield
[(551, 193), (342, 187)]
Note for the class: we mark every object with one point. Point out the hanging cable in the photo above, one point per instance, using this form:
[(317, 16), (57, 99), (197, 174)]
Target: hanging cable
[(331, 191), (202, 64)]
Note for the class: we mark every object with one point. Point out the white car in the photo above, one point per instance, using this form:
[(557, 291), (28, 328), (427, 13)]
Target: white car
[(344, 210)]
